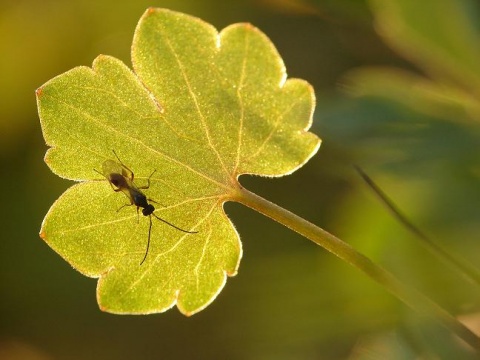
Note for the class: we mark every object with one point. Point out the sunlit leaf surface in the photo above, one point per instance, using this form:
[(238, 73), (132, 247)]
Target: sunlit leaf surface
[(200, 108)]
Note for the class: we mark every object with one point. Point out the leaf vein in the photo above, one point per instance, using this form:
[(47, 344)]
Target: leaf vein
[(164, 253), (132, 138), (196, 103), (278, 121), (240, 101)]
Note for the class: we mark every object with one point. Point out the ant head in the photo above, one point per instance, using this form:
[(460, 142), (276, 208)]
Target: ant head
[(147, 210)]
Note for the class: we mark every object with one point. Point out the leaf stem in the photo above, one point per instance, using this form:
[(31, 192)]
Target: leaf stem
[(463, 267), (411, 297)]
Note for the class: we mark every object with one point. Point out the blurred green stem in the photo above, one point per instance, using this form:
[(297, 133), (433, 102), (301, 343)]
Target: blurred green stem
[(407, 295), (463, 267)]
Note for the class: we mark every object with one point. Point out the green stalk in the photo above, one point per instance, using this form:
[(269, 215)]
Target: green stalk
[(460, 265), (411, 297)]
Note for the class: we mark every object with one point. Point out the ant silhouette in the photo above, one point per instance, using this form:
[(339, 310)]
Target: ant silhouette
[(121, 178)]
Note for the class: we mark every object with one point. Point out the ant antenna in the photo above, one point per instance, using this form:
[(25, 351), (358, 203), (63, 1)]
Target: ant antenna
[(150, 232)]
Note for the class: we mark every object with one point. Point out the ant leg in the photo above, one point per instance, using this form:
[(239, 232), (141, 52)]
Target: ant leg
[(148, 181), (124, 205), (148, 241), (98, 172)]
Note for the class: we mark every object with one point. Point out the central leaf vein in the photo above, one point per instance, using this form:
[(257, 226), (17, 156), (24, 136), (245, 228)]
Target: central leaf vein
[(195, 101), (240, 102)]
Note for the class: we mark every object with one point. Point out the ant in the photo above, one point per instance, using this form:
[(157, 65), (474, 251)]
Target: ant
[(121, 178)]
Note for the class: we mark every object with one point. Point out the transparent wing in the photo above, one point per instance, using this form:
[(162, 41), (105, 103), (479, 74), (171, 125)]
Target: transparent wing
[(113, 167)]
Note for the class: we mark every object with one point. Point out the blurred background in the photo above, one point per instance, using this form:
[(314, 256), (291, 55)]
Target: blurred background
[(398, 89)]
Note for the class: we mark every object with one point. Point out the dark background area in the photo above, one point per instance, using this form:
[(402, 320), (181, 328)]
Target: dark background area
[(291, 299)]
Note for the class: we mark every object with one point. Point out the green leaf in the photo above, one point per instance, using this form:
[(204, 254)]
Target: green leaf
[(417, 92), (442, 37), (445, 44), (201, 108)]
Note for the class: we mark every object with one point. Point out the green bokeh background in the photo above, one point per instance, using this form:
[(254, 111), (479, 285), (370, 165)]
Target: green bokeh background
[(291, 299)]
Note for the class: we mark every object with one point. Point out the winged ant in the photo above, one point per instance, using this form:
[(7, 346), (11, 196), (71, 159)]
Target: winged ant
[(121, 178)]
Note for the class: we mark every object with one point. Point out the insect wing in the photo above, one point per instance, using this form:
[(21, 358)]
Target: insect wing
[(119, 177), (113, 167)]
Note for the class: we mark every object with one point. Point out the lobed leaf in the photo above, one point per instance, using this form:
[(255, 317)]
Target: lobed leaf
[(201, 108)]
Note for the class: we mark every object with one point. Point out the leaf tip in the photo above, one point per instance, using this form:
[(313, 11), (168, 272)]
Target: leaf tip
[(249, 26), (46, 158), (151, 10), (99, 59), (101, 306), (39, 92)]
